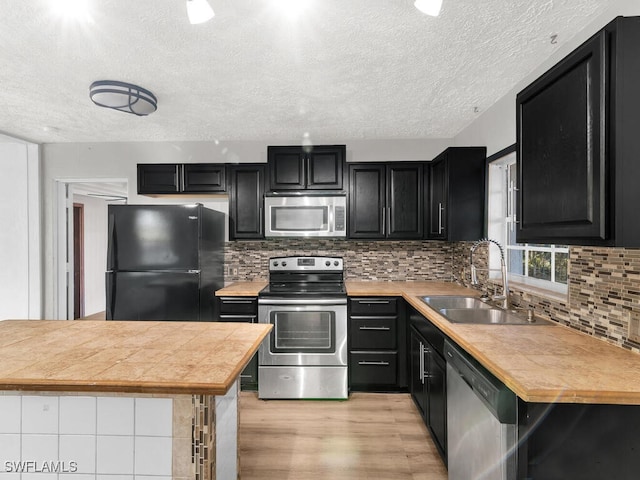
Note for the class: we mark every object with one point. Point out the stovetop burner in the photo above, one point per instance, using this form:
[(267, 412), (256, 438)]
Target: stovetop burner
[(308, 276)]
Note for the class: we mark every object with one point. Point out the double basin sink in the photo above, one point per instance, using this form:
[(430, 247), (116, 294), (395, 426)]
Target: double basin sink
[(462, 309)]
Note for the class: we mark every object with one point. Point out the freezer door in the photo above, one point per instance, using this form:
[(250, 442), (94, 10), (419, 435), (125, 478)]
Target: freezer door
[(153, 237), (153, 296)]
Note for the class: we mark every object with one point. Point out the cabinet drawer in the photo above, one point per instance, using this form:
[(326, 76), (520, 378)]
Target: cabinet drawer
[(238, 305), (373, 333), (373, 306), (239, 318), (373, 368)]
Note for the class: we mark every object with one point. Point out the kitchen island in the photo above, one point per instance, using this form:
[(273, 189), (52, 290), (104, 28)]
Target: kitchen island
[(136, 399)]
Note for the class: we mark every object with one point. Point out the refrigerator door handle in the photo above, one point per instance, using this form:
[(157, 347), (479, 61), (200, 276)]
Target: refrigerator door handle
[(193, 271), (111, 244), (111, 294)]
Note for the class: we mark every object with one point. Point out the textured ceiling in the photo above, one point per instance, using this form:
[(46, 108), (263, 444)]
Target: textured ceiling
[(343, 69)]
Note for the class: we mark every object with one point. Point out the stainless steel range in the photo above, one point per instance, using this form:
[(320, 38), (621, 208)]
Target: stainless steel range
[(305, 356)]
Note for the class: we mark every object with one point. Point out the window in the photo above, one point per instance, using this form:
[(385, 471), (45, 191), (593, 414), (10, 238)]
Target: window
[(543, 266)]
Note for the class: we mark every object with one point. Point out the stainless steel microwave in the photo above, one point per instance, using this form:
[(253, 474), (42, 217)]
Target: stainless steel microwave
[(305, 216)]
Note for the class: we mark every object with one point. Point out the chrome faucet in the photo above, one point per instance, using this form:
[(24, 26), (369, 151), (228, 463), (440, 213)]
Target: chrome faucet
[(504, 297)]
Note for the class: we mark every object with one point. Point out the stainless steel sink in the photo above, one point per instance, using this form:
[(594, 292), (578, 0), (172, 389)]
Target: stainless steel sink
[(487, 316), (464, 309), (451, 301)]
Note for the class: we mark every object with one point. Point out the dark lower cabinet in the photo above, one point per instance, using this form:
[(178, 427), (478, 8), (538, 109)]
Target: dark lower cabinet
[(246, 201), (576, 441), (377, 338), (428, 380), (242, 309)]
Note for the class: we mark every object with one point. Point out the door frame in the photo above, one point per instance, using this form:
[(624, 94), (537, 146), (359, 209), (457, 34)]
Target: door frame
[(78, 251), (63, 242)]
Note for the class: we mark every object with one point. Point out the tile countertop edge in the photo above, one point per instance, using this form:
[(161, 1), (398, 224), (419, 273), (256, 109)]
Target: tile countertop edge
[(139, 386), (567, 393)]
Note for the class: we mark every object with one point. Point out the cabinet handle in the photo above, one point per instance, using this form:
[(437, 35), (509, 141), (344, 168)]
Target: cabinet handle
[(374, 302), (421, 363), (246, 376), (238, 302), (384, 221), (440, 210), (381, 329), (379, 363)]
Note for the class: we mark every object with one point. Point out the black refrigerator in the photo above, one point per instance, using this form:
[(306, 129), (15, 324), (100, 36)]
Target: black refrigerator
[(164, 262)]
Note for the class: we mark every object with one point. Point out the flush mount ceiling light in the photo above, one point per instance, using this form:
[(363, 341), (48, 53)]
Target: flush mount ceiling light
[(199, 11), (430, 7), (123, 96)]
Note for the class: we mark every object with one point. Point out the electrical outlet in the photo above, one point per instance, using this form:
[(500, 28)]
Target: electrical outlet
[(232, 271), (634, 326)]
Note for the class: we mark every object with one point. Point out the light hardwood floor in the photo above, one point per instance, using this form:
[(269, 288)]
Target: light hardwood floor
[(370, 436)]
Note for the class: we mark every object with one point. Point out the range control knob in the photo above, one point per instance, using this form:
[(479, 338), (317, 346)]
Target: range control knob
[(275, 264), (327, 263), (284, 264), (336, 263)]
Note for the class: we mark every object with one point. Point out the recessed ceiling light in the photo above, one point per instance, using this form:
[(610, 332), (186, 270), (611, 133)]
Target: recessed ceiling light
[(293, 9), (199, 11), (430, 7), (76, 10)]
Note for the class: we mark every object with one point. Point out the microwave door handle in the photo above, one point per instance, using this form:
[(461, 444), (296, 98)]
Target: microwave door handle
[(332, 216)]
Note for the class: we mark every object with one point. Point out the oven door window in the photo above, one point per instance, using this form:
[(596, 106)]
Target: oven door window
[(303, 332), (300, 219)]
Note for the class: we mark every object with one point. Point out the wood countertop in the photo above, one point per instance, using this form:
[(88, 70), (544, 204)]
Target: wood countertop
[(131, 357), (242, 289), (541, 363)]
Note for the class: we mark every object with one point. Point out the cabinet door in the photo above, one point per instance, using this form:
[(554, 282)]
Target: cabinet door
[(287, 168), (404, 201), (246, 198), (158, 178), (438, 176), (417, 385), (203, 178), (242, 310), (437, 403), (325, 166), (367, 204), (562, 150)]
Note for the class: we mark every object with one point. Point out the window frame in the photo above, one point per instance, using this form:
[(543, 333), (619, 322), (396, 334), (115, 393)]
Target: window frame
[(501, 218)]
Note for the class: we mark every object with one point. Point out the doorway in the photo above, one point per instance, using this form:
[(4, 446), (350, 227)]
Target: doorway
[(81, 243), (78, 260)]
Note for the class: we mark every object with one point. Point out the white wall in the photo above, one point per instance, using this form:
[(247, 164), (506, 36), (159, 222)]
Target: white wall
[(20, 284), (97, 161), (496, 127)]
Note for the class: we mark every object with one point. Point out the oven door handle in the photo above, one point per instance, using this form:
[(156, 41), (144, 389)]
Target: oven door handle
[(302, 301)]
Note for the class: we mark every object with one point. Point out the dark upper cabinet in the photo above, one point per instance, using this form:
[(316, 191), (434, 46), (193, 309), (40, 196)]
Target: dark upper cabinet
[(386, 200), (367, 200), (577, 148), (203, 178), (159, 178), (246, 197), (306, 168), (457, 194)]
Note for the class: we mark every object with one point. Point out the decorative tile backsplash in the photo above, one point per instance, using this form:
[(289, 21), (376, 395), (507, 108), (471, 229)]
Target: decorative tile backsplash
[(604, 283), (363, 260)]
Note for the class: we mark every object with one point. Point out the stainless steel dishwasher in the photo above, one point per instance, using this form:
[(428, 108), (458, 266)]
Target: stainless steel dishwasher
[(481, 421)]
